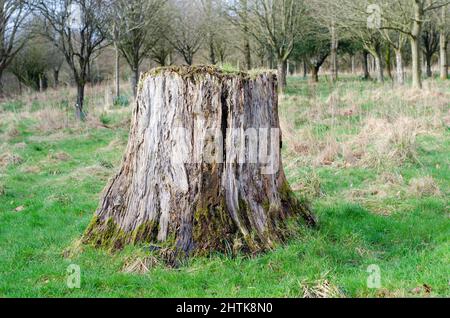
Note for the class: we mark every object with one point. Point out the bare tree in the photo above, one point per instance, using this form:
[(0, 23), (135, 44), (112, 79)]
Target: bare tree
[(407, 17), (313, 48), (444, 27), (278, 23), (30, 65), (217, 30), (187, 28), (13, 14), (239, 16), (75, 27), (402, 16), (138, 27), (211, 26), (324, 14), (430, 43), (353, 20), (161, 52)]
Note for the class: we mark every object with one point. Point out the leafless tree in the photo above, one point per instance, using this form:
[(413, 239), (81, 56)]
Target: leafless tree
[(443, 23), (161, 52), (353, 20), (277, 23), (137, 31), (13, 17), (408, 17), (238, 13), (322, 11), (187, 30), (75, 27), (430, 43)]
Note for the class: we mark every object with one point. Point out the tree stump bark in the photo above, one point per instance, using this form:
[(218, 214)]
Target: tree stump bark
[(182, 186)]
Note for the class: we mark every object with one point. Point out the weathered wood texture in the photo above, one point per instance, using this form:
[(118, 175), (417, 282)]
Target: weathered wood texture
[(189, 192)]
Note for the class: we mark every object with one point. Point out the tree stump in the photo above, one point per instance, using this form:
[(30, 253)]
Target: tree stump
[(202, 170)]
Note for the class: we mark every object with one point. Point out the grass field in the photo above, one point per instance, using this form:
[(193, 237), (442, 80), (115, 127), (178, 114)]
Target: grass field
[(372, 160)]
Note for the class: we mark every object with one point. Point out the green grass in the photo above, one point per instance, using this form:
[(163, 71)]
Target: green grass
[(410, 245)]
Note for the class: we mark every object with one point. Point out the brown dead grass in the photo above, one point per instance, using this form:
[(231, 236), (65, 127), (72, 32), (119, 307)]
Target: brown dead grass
[(382, 142), (60, 156), (9, 159), (424, 187), (140, 265), (31, 169), (321, 289), (386, 134)]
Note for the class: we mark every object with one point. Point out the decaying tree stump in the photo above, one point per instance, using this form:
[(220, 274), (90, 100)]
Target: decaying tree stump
[(182, 186)]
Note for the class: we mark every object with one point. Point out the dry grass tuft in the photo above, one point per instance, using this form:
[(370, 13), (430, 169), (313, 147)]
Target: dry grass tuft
[(374, 128), (20, 146), (31, 169), (321, 289), (10, 159), (330, 149), (60, 156), (140, 265), (382, 142), (309, 186), (385, 293), (424, 187), (51, 119), (96, 171), (387, 186)]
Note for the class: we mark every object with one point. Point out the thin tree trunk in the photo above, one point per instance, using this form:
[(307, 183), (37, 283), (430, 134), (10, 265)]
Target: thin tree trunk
[(117, 71), (353, 61), (248, 54), (41, 83), (305, 69), (416, 67), (2, 92), (189, 59), (443, 56), (282, 74), (365, 63), (400, 75), (428, 59), (389, 62), (79, 111), (334, 57), (212, 51), (56, 77), (134, 80), (315, 74), (373, 66), (379, 68), (415, 44), (443, 45), (212, 185), (247, 48), (89, 75)]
